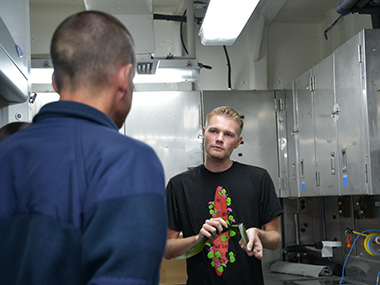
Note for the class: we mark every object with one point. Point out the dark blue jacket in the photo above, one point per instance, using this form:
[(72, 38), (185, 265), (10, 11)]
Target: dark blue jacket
[(79, 202)]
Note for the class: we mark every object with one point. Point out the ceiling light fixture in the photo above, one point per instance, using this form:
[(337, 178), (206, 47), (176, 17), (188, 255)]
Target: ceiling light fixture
[(148, 71), (224, 21), (167, 71), (41, 75)]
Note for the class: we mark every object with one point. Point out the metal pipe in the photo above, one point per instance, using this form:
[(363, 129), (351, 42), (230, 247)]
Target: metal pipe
[(297, 231), (344, 6), (190, 28)]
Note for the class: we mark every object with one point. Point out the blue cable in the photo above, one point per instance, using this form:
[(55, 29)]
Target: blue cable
[(348, 255), (377, 279), (332, 25), (370, 247)]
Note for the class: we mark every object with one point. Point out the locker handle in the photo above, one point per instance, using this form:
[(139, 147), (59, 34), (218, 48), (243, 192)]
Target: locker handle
[(302, 169), (332, 158), (344, 158)]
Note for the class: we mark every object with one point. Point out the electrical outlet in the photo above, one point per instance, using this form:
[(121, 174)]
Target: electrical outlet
[(301, 205)]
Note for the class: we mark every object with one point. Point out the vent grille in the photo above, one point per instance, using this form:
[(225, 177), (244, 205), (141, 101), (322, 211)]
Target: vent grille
[(147, 67)]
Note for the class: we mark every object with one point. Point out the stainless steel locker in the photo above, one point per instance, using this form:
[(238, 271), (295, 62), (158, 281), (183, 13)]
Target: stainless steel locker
[(305, 144), (371, 88), (326, 116), (349, 97), (286, 144)]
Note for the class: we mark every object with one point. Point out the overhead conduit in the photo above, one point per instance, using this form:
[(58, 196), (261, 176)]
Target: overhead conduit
[(371, 7)]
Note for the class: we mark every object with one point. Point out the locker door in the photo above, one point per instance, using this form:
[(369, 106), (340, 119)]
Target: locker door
[(325, 128), (306, 150), (349, 98)]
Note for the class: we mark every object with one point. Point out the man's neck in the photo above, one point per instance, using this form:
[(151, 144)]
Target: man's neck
[(100, 101), (217, 166)]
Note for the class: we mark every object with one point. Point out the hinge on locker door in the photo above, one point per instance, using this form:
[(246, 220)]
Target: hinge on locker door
[(278, 104), (360, 54), (317, 179), (312, 83)]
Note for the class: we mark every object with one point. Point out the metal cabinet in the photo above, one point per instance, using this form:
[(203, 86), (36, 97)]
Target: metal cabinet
[(171, 123), (335, 119)]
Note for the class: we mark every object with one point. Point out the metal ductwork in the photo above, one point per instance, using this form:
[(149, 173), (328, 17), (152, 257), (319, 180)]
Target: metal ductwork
[(136, 15), (371, 7), (358, 6)]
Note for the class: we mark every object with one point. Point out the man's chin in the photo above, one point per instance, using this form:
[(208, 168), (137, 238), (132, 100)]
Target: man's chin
[(217, 158)]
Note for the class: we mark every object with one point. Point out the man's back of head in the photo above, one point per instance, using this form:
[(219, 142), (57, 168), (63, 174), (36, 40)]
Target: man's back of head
[(87, 48)]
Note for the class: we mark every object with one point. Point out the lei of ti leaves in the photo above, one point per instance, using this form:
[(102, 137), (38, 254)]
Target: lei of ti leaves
[(231, 256)]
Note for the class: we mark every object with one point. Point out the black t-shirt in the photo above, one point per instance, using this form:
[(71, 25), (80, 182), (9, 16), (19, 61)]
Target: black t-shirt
[(253, 202)]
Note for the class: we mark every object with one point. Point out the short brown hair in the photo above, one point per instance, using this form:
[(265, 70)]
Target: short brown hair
[(229, 113), (88, 47)]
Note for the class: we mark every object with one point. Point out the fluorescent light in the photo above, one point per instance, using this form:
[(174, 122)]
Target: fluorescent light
[(164, 71), (171, 71), (41, 75), (224, 21)]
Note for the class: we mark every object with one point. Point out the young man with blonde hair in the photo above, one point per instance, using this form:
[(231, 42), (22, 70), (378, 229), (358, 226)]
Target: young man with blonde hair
[(204, 200)]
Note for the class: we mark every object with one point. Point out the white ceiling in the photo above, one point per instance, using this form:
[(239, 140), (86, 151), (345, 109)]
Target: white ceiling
[(47, 14), (294, 11), (304, 11)]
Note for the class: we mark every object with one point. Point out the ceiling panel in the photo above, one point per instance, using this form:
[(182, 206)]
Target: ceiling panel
[(304, 11)]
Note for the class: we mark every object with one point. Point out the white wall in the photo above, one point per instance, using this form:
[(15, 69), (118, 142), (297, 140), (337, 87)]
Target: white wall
[(45, 18)]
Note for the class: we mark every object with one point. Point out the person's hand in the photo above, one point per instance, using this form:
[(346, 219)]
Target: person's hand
[(254, 246), (212, 228)]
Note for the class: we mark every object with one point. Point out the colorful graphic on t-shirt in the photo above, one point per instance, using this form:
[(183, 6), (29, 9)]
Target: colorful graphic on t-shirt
[(218, 249)]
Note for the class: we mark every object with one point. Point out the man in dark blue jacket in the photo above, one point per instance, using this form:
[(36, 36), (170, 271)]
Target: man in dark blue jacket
[(79, 202)]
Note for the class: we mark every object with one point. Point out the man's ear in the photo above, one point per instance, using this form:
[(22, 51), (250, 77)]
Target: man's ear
[(123, 76), (239, 142), (54, 83)]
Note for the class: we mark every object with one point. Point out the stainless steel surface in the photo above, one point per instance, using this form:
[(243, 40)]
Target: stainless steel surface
[(284, 134), (305, 123), (325, 128), (272, 278), (15, 71), (292, 133), (13, 82), (349, 97), (335, 142), (170, 122), (16, 16), (371, 85)]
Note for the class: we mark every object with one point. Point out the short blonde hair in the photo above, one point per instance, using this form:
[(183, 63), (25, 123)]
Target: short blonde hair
[(228, 112)]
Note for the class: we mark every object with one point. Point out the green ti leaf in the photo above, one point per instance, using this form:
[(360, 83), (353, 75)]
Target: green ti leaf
[(198, 246), (195, 249)]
